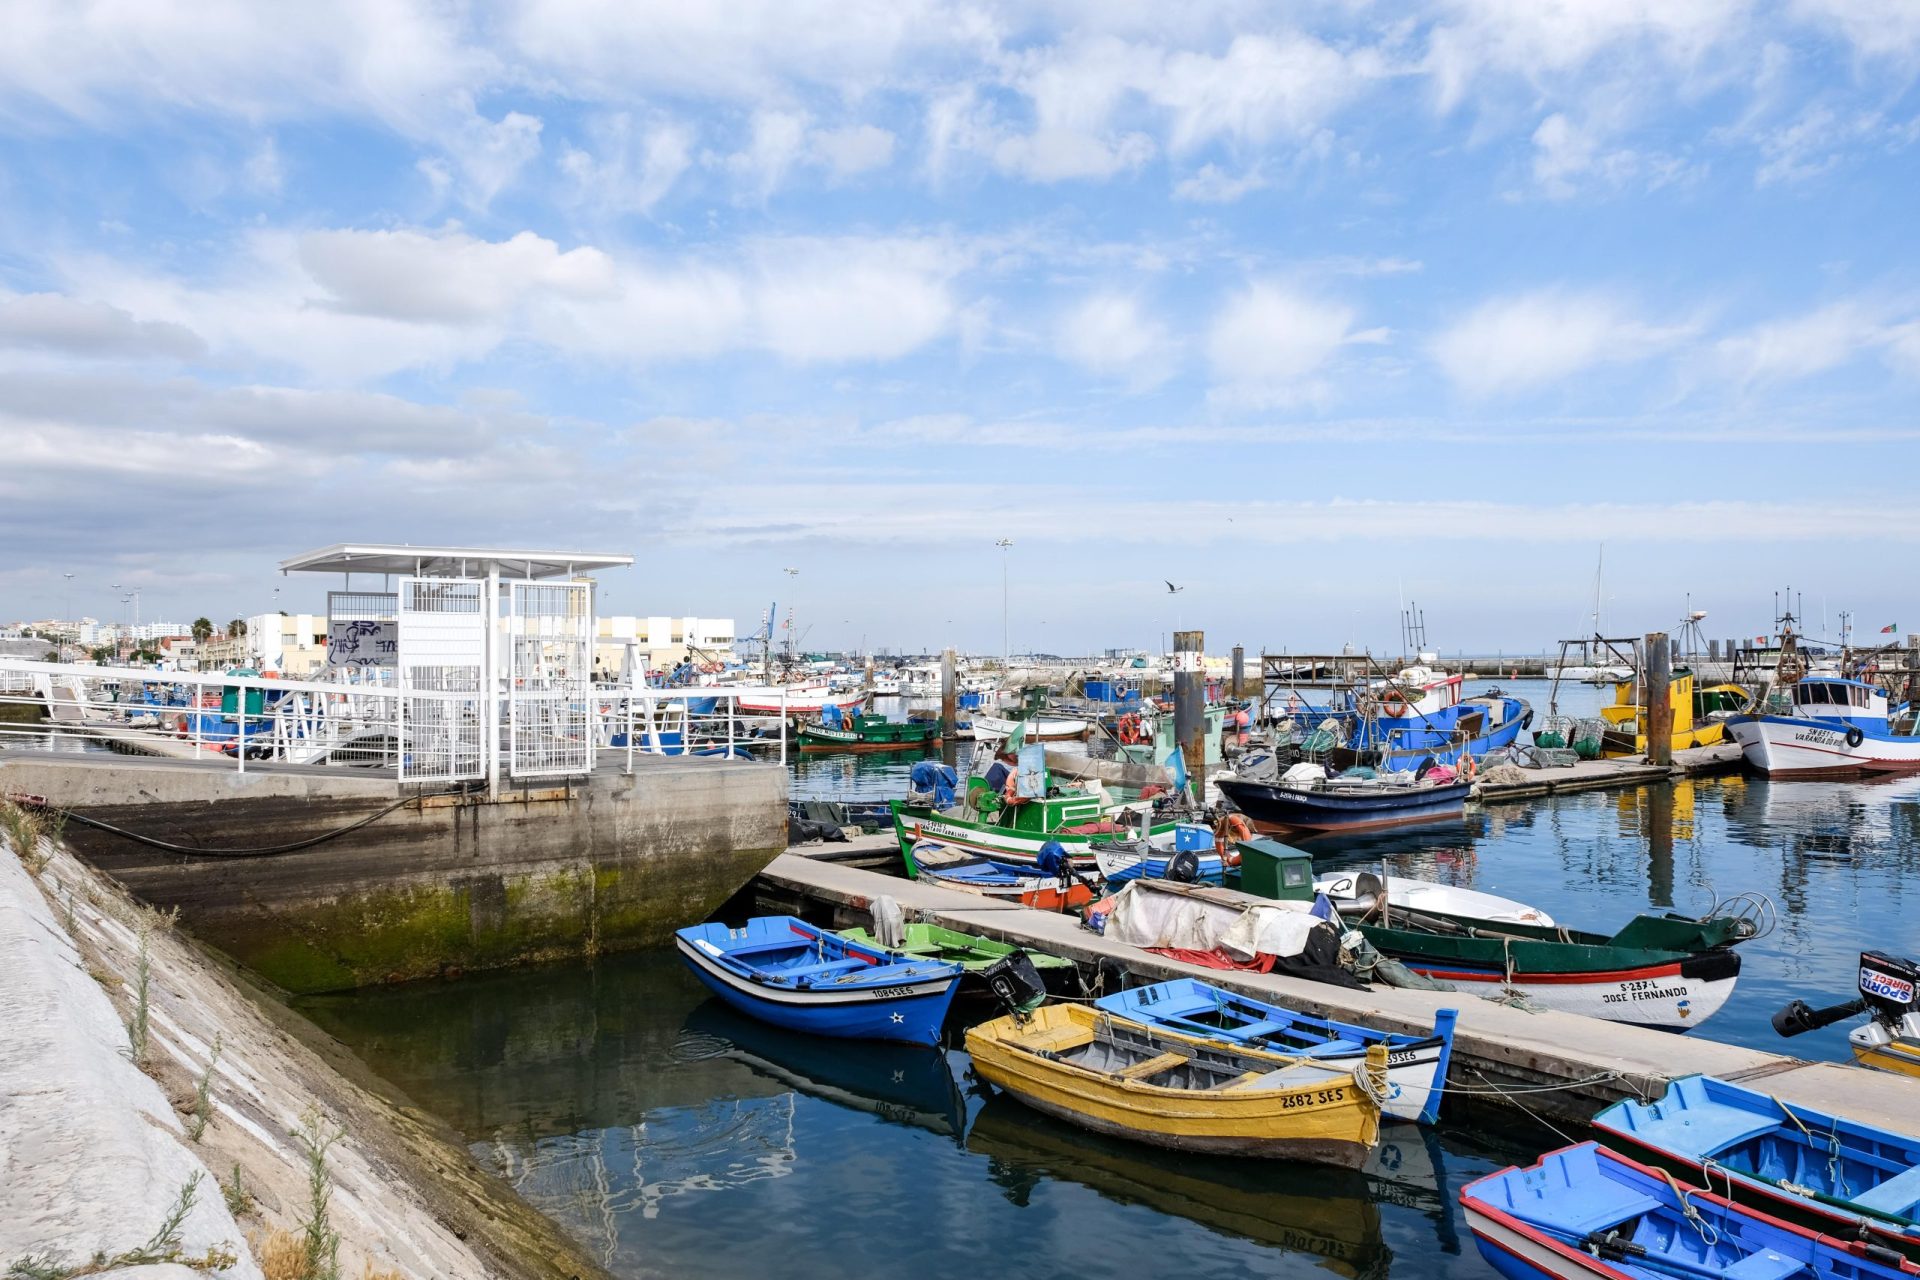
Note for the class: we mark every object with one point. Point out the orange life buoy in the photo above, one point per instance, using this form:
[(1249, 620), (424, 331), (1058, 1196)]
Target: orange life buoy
[(1394, 698), (1010, 792), (180, 726), (1468, 769)]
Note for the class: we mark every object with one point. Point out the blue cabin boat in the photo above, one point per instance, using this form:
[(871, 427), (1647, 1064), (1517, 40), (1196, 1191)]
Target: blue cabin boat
[(1416, 1065), (783, 970), (1587, 1213), (1832, 1174)]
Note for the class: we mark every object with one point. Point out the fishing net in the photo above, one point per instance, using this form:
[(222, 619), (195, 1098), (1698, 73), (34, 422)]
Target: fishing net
[(1588, 737)]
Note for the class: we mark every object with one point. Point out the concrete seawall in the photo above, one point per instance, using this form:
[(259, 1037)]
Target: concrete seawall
[(96, 1148), (435, 883)]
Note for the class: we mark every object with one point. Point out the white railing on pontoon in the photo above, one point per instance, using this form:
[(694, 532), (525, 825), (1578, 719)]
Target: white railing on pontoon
[(366, 719)]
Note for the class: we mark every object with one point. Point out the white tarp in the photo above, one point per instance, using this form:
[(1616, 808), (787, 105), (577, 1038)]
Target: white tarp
[(1150, 913)]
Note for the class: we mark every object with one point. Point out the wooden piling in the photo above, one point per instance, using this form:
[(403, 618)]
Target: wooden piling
[(949, 707), (1239, 671), (1657, 698), (1190, 705)]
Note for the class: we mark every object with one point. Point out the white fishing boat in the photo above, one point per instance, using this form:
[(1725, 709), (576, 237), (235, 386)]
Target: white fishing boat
[(1829, 727), (795, 700), (1039, 728), (1356, 892)]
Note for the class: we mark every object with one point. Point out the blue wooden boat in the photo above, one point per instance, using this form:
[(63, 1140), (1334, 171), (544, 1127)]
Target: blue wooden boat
[(1831, 1174), (1416, 1065), (1341, 805), (785, 971), (1121, 862), (1587, 1213)]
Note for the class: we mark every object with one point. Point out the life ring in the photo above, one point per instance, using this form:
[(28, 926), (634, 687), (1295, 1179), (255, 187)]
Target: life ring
[(1468, 769), (1130, 729), (1855, 736), (1010, 792), (180, 726), (1394, 698), (1231, 828)]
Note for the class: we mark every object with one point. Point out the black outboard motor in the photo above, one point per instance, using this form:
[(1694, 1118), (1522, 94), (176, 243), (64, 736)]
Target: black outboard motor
[(1889, 989), (1016, 983)]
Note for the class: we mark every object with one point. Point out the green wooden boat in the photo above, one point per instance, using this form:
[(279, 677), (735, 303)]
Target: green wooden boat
[(1015, 834), (970, 952), (870, 733), (1664, 971)]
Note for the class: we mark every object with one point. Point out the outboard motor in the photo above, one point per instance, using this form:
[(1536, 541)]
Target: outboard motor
[(1183, 867), (1889, 990), (1016, 983)]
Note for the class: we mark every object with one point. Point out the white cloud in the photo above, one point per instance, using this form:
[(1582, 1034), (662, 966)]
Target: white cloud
[(855, 149), (1109, 334), (360, 304), (632, 166), (1564, 153), (1888, 29), (1262, 88), (1800, 347), (54, 322), (1214, 185), (775, 144), (1267, 342), (1517, 343)]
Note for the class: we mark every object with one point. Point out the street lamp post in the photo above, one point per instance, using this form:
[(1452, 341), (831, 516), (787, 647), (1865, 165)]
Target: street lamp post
[(1006, 626)]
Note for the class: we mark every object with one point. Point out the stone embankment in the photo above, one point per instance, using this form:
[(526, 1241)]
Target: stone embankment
[(162, 1117)]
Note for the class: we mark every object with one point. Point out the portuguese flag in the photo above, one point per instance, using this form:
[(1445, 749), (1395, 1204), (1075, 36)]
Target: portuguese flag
[(1889, 629)]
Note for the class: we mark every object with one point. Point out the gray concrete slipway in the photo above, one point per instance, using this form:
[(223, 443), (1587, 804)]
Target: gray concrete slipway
[(1587, 1063)]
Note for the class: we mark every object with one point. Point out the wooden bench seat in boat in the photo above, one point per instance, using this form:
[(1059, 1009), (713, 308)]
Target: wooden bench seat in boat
[(1057, 1040), (1153, 1066), (819, 970), (1896, 1196), (1764, 1264)]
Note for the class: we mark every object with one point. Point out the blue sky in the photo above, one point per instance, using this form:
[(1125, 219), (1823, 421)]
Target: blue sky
[(1307, 307)]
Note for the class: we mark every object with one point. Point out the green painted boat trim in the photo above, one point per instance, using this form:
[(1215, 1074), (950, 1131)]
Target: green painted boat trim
[(972, 953), (872, 731), (1645, 941)]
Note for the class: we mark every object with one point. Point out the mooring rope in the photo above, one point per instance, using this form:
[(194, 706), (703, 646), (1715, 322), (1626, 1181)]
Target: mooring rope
[(264, 851)]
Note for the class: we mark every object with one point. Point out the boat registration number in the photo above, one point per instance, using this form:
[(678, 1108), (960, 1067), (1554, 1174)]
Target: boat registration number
[(1317, 1098), (891, 993), (1819, 737), (1642, 989)]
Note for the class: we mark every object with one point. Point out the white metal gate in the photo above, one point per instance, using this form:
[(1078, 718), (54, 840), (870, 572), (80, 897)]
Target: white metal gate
[(443, 652), (550, 669)]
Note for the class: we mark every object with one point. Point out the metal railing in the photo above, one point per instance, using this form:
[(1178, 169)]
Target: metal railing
[(367, 720)]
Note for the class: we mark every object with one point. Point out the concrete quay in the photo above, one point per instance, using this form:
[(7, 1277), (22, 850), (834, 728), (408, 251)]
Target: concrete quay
[(270, 865), (1571, 1066)]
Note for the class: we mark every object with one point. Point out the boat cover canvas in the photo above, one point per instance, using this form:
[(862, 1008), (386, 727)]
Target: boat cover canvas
[(1145, 918), (935, 780)]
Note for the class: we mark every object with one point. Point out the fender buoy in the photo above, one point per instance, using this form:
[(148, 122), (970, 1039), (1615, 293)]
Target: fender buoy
[(1854, 736), (180, 726)]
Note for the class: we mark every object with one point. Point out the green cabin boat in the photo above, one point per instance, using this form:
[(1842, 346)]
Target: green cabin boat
[(870, 733), (969, 951), (1013, 834)]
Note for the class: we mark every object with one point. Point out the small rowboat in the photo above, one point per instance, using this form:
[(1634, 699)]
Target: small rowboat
[(1038, 728), (1416, 1065), (970, 951), (1587, 1213), (785, 971), (1120, 863), (1355, 893), (1129, 1080), (1834, 1175), (869, 733), (971, 873)]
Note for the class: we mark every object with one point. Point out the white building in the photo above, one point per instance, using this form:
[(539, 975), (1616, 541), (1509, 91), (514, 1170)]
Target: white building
[(660, 642)]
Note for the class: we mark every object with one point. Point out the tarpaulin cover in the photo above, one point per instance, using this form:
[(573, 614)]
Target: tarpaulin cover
[(830, 716), (934, 780), (1148, 918), (1031, 777)]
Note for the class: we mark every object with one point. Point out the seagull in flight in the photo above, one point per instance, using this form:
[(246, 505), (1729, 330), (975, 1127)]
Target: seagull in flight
[(1171, 589)]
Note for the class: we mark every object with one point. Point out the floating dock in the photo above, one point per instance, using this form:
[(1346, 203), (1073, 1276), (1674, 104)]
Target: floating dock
[(1556, 1064)]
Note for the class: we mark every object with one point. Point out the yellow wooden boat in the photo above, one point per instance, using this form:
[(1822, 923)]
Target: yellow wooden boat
[(1900, 1056), (1118, 1077), (1626, 719)]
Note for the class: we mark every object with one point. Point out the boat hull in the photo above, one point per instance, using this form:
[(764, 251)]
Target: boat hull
[(1009, 845), (1326, 1124), (1278, 808), (1672, 996), (911, 1013), (1039, 729), (1416, 1065), (1798, 746), (1702, 1122)]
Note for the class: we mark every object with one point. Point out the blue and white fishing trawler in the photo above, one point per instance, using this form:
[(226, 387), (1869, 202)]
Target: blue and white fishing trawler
[(1401, 723), (785, 971), (1827, 726)]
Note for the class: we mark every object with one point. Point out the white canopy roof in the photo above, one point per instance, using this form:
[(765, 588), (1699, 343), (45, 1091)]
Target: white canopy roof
[(449, 562)]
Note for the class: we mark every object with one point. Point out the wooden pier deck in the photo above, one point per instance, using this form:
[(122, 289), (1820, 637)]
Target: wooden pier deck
[(1569, 1066)]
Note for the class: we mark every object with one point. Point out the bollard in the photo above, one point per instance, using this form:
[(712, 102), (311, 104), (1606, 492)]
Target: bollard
[(949, 709)]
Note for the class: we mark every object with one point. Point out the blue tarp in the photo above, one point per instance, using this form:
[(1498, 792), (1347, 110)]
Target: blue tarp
[(930, 776)]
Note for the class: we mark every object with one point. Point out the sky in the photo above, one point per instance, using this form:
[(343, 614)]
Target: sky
[(1307, 309)]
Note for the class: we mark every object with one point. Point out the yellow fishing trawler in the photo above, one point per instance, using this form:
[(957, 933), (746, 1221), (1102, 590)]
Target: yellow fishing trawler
[(1123, 1078), (1698, 714)]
